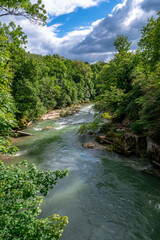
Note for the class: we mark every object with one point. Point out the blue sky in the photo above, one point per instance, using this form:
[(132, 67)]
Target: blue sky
[(86, 29), (82, 17)]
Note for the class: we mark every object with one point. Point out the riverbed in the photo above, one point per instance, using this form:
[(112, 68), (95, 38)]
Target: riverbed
[(106, 196)]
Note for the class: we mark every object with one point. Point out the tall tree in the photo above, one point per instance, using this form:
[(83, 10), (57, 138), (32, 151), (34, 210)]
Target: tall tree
[(150, 42), (121, 44)]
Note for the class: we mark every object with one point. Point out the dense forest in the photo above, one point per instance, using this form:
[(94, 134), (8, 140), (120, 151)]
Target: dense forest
[(126, 91)]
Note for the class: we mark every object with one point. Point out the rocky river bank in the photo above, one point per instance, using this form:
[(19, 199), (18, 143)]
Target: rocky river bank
[(126, 143)]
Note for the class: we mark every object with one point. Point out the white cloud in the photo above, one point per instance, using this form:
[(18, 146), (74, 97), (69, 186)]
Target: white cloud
[(44, 40), (127, 18), (119, 6), (59, 7), (135, 13)]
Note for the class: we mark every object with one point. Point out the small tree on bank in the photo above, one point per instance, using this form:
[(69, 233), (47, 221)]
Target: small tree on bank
[(19, 203)]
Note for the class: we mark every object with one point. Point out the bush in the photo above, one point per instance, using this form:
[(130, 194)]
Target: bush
[(19, 203)]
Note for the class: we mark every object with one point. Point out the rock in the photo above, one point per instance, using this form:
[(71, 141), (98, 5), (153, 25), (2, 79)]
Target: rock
[(94, 145), (153, 151), (152, 171), (115, 141), (89, 145), (51, 115), (135, 144), (101, 139), (48, 128)]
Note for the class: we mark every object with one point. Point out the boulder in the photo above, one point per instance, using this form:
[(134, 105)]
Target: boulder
[(95, 145), (135, 144), (89, 145), (153, 151), (48, 128)]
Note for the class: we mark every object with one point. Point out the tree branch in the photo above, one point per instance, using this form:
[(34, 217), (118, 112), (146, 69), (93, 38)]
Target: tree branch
[(38, 18)]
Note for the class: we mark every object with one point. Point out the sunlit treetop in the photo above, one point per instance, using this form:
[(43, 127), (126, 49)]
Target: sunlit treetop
[(34, 12), (121, 44)]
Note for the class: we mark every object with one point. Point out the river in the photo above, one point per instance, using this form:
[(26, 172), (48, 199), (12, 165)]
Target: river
[(105, 196)]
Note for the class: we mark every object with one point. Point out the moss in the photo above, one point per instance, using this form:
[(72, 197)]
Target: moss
[(117, 149), (106, 127), (114, 136)]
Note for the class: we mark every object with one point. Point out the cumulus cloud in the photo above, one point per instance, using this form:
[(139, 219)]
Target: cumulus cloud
[(59, 7), (127, 18)]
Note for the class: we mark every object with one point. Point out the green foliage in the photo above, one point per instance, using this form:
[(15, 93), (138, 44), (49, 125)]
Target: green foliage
[(130, 83), (121, 44), (7, 107), (15, 36), (92, 127), (12, 39), (118, 72), (149, 101), (110, 100), (26, 89), (43, 83), (21, 190), (150, 42), (106, 115), (25, 8)]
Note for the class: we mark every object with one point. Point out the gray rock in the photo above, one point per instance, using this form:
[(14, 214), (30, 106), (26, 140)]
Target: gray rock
[(153, 151)]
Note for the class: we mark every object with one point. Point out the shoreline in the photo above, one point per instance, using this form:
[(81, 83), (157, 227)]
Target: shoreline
[(62, 112)]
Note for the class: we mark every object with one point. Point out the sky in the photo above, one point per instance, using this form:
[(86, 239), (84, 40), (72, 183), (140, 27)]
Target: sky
[(86, 29)]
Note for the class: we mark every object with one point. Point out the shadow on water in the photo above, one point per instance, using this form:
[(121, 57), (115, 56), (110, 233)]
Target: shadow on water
[(105, 196)]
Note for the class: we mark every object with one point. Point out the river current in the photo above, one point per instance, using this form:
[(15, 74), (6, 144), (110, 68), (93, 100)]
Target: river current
[(106, 196)]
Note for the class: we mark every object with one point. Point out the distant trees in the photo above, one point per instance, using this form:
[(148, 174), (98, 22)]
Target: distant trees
[(42, 83)]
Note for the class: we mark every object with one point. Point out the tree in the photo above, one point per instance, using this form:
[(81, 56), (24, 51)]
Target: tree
[(34, 12), (148, 102), (19, 203), (7, 106), (150, 42), (26, 89), (121, 44)]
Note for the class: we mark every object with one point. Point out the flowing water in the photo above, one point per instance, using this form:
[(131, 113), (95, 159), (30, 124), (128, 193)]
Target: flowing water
[(106, 196)]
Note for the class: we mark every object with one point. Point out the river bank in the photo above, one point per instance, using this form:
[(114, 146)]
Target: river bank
[(119, 139), (51, 115), (62, 112)]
